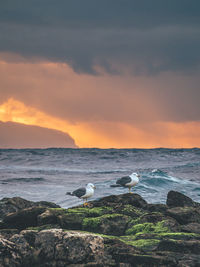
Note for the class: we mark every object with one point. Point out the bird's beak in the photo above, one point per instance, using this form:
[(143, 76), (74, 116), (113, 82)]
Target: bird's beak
[(94, 187), (139, 175)]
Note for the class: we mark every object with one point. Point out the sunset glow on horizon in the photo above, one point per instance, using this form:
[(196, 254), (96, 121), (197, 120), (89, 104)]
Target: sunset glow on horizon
[(101, 135)]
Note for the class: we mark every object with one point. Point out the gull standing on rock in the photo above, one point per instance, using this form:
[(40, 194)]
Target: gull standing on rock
[(127, 181), (83, 192)]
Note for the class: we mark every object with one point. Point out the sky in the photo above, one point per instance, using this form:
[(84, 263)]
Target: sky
[(117, 73)]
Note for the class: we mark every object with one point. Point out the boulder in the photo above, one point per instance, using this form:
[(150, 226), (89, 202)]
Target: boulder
[(180, 246), (23, 218), (7, 233), (191, 228), (177, 199), (184, 215), (51, 248), (110, 224), (157, 208), (15, 204), (121, 200), (72, 221), (9, 254)]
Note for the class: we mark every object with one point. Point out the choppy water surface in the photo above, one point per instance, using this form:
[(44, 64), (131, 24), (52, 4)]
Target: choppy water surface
[(47, 174)]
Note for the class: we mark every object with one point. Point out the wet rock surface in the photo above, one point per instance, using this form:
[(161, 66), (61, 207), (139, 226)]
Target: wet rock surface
[(121, 230)]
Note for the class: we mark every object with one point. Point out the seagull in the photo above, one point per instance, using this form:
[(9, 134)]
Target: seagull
[(127, 181), (83, 192)]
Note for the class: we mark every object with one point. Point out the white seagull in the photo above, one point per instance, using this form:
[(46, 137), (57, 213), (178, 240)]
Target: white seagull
[(127, 181), (83, 192)]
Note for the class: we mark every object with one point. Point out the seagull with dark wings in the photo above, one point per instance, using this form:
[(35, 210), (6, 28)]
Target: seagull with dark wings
[(127, 181), (83, 192)]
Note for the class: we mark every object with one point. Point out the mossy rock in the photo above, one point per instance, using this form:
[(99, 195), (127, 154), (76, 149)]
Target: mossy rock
[(91, 212), (163, 236), (144, 228), (179, 236), (117, 200), (111, 224), (131, 211), (152, 217), (71, 221), (144, 244), (44, 227)]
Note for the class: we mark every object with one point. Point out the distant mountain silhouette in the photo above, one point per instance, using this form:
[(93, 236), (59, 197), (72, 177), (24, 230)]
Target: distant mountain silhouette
[(17, 135)]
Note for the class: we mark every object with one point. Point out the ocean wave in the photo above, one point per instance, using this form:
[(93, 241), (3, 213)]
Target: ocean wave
[(23, 180), (196, 189)]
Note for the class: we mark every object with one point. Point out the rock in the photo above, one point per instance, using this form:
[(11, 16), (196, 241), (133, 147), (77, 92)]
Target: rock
[(25, 250), (50, 216), (29, 236), (184, 215), (7, 233), (153, 217), (176, 199), (11, 205), (23, 218), (51, 246), (68, 247), (180, 246), (72, 221), (130, 231), (146, 260), (118, 200), (157, 208), (9, 255), (113, 224), (191, 228)]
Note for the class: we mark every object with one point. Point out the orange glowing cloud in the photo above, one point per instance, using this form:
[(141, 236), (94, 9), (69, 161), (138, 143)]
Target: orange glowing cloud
[(100, 111), (107, 134)]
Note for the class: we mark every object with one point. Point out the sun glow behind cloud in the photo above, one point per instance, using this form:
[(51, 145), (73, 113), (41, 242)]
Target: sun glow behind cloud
[(106, 134), (99, 111), (83, 134), (16, 111)]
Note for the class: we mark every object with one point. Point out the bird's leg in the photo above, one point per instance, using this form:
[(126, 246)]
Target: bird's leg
[(130, 190), (86, 202)]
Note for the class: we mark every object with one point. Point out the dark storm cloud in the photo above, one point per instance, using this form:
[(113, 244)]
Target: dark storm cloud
[(77, 13), (145, 36)]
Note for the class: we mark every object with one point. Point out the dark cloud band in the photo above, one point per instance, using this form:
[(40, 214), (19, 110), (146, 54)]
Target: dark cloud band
[(147, 37)]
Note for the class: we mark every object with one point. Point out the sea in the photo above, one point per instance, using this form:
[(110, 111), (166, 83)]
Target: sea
[(47, 174)]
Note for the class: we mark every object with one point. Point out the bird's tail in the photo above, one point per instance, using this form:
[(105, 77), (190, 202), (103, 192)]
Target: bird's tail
[(115, 185), (69, 193)]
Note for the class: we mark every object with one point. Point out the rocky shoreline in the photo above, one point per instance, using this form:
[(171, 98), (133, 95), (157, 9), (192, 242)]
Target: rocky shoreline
[(122, 230)]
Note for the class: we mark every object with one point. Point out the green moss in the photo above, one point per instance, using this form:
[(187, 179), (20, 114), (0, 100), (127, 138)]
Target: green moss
[(57, 211), (77, 210), (99, 211), (93, 223), (140, 228), (160, 228), (131, 211), (91, 212), (143, 243), (180, 236), (145, 228), (43, 227)]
